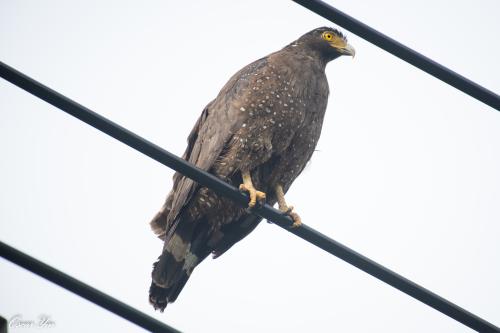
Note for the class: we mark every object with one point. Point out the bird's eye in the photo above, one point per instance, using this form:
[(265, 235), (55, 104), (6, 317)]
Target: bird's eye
[(327, 36)]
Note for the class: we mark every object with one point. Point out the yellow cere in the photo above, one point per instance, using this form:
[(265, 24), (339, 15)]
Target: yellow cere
[(334, 40)]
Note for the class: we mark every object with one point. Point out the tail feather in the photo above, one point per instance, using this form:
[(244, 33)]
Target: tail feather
[(167, 270), (159, 223), (182, 252), (160, 296)]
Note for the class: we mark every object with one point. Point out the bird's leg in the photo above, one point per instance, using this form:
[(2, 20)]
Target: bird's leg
[(288, 210), (247, 186)]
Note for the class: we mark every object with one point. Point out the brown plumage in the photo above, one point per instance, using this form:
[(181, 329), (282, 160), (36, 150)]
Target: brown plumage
[(260, 130)]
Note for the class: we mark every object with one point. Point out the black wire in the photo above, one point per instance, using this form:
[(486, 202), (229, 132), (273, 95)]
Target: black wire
[(84, 290), (266, 211), (403, 52)]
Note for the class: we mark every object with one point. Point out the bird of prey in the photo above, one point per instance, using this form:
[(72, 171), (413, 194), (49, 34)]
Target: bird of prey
[(258, 134)]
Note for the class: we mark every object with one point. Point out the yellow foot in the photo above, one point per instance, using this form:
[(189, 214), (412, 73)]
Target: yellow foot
[(254, 195), (288, 210)]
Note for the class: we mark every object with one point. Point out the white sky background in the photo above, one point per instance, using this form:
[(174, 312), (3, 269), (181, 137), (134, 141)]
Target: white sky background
[(406, 172)]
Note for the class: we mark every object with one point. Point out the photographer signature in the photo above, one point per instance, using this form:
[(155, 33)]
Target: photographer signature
[(43, 321)]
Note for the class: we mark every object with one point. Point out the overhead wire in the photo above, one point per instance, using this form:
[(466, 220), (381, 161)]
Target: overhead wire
[(206, 179), (403, 52), (84, 290)]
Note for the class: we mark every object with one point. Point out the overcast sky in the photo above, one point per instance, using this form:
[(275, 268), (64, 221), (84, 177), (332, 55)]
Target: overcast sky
[(406, 170)]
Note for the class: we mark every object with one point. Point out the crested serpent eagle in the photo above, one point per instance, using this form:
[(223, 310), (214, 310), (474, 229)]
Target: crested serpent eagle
[(258, 134)]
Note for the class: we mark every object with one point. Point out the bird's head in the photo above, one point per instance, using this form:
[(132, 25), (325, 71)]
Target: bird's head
[(329, 43)]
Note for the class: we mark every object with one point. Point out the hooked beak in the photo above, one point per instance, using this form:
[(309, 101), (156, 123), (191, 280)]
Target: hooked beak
[(347, 50)]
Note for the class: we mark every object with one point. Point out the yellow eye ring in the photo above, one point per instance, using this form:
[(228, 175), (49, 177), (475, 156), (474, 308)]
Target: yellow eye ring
[(328, 36)]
